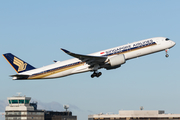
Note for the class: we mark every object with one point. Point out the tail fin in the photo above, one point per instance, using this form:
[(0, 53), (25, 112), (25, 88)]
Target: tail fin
[(18, 64)]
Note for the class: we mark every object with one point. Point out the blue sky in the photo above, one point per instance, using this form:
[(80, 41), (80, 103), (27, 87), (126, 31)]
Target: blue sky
[(36, 30)]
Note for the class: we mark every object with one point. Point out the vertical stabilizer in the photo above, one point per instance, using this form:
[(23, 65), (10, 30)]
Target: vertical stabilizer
[(18, 64)]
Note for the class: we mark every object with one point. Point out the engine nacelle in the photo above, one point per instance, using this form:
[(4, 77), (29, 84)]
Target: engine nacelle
[(116, 61)]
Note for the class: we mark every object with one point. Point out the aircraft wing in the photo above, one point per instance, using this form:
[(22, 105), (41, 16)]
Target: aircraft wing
[(87, 58)]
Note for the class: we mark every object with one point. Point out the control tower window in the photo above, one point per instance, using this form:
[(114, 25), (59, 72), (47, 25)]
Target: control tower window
[(27, 101), (14, 101), (21, 101), (167, 39), (10, 102)]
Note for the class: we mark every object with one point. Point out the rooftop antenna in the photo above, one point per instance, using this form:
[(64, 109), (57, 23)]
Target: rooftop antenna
[(66, 107), (141, 108), (19, 93)]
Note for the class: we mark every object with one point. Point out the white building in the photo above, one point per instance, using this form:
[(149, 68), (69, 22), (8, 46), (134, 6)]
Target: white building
[(19, 103), (136, 115), (20, 108)]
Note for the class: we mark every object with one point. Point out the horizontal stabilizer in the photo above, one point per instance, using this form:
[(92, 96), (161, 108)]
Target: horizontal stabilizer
[(19, 77)]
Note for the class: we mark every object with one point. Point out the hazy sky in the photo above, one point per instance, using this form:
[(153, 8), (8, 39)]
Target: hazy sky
[(36, 30)]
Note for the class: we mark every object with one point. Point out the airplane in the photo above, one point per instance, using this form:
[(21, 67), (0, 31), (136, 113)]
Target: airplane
[(109, 59)]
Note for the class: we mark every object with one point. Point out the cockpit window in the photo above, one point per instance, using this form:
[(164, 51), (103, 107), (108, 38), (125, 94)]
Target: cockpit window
[(167, 39)]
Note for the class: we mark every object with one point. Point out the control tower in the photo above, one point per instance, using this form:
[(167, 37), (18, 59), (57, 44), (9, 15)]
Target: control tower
[(19, 103), (20, 108)]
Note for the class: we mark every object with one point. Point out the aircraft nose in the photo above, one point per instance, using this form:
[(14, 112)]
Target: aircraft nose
[(173, 43)]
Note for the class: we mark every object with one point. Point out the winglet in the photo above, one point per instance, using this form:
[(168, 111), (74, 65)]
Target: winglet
[(66, 51)]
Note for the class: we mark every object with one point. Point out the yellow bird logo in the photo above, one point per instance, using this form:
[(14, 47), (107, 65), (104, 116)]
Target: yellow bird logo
[(21, 65)]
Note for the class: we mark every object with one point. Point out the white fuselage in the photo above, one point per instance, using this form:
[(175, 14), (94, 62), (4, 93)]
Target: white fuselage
[(73, 66)]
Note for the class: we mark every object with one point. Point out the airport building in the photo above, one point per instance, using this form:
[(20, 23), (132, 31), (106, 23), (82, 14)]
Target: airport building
[(20, 108), (136, 115)]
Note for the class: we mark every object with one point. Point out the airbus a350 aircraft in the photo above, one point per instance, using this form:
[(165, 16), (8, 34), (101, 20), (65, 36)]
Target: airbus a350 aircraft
[(109, 59)]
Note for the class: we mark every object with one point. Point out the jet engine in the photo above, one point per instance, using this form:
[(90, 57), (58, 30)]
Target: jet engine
[(115, 61)]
